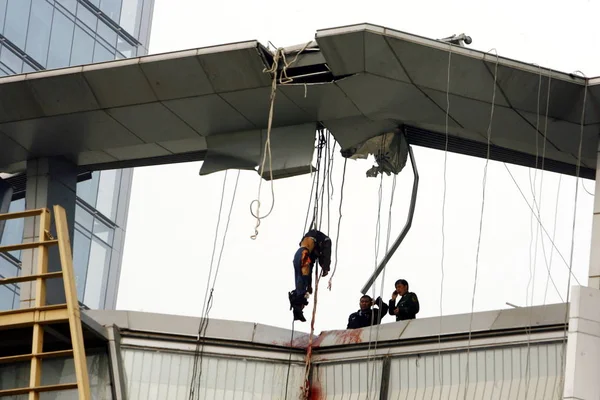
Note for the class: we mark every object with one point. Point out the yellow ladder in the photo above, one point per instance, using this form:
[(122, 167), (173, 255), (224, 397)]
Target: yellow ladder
[(41, 314)]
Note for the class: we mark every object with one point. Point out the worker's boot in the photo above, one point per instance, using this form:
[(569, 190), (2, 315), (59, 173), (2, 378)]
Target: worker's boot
[(297, 303)]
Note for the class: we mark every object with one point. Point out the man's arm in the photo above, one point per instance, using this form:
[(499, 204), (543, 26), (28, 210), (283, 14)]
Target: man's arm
[(383, 308)]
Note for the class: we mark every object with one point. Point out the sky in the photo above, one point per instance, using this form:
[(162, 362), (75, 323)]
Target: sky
[(173, 211)]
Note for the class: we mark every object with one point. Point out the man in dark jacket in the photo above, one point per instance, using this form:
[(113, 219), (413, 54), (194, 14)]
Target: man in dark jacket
[(315, 245), (367, 316), (408, 306)]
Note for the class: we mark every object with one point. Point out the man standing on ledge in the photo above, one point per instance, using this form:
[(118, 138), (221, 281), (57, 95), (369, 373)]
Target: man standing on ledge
[(315, 245), (408, 306), (367, 316)]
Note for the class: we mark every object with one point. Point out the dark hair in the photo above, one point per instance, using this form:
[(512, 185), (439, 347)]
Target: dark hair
[(402, 281), (366, 296)]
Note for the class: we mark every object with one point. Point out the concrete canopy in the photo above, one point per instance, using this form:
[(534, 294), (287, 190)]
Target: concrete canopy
[(359, 81)]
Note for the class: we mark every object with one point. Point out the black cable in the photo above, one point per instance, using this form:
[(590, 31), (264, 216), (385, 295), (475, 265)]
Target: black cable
[(203, 326), (287, 379)]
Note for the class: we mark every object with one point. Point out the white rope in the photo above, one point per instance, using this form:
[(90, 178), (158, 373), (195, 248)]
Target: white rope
[(489, 134), (284, 79), (440, 364), (577, 171), (549, 267)]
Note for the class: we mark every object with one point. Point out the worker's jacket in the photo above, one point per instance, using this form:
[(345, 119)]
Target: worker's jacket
[(319, 246), (408, 307), (362, 319)]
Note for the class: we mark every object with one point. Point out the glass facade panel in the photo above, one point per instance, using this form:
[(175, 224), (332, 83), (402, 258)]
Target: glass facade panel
[(112, 8), (107, 190), (131, 15), (107, 33), (15, 25), (84, 218), (88, 189), (38, 35), (13, 229), (7, 297), (81, 254), (101, 53), (86, 16), (103, 231), (98, 264), (11, 60), (3, 4), (69, 5), (8, 268), (83, 48), (61, 40)]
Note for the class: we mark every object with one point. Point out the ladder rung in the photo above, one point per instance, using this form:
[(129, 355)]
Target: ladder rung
[(31, 316), (25, 246), (27, 278), (38, 389), (23, 214), (26, 357)]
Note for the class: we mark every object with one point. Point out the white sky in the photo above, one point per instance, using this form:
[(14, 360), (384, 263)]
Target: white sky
[(173, 211)]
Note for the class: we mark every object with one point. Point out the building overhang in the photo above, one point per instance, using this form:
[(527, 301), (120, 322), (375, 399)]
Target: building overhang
[(358, 82)]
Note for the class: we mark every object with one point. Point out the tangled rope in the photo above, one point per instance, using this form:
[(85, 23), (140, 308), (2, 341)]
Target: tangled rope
[(283, 79)]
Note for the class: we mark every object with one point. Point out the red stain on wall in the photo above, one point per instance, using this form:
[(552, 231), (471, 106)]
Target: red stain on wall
[(315, 393), (348, 336)]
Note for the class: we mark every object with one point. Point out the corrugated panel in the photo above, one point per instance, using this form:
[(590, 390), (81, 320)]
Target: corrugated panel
[(163, 375), (355, 380), (495, 374)]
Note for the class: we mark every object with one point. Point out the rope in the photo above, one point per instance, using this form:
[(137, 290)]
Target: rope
[(387, 247), (337, 239), (284, 79), (441, 369), (377, 246), (489, 134), (577, 171), (198, 354), (543, 228), (318, 198), (552, 249), (584, 188), (287, 379)]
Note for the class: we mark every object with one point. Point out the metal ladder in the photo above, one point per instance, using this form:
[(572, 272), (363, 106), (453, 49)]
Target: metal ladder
[(41, 314)]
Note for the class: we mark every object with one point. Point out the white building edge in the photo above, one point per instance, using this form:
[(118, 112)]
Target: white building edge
[(212, 104)]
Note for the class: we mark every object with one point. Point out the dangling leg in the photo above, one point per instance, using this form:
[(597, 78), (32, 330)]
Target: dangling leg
[(297, 296)]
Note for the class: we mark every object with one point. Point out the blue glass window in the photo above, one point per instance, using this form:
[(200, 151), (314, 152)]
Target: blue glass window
[(98, 266), (69, 5), (88, 190), (83, 48), (81, 255), (3, 4), (84, 218), (131, 15), (103, 231), (86, 16), (11, 60), (7, 298), (7, 268), (38, 37), (61, 39), (107, 190), (112, 8), (101, 53), (107, 33), (13, 230), (15, 28)]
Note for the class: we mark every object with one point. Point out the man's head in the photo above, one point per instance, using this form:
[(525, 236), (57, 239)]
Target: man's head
[(401, 286), (366, 302)]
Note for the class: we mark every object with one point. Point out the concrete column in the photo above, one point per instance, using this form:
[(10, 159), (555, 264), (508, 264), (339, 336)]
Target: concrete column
[(583, 345), (6, 192), (594, 269), (50, 181)]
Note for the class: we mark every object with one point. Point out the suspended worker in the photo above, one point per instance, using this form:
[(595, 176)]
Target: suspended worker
[(367, 315), (408, 305), (315, 245)]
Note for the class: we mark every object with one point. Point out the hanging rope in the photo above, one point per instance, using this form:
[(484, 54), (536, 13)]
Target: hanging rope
[(337, 239), (318, 211), (377, 246), (283, 79), (287, 379), (543, 229), (489, 135), (552, 240), (577, 171), (208, 298), (441, 370)]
